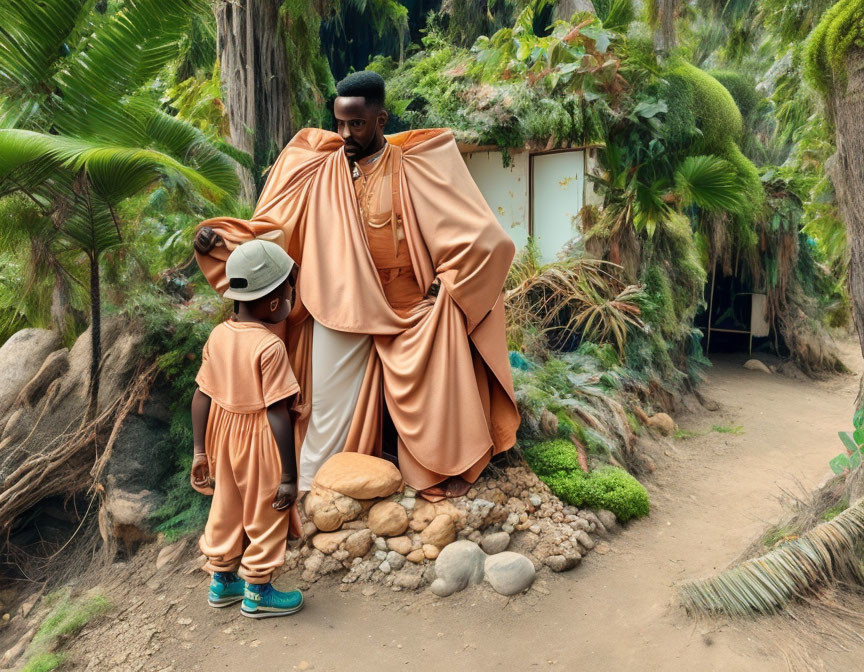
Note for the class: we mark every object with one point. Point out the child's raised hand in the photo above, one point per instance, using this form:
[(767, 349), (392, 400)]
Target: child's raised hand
[(286, 495), (200, 470)]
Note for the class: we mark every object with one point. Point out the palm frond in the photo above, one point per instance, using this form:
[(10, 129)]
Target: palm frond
[(709, 182), (31, 37), (795, 569), (570, 299)]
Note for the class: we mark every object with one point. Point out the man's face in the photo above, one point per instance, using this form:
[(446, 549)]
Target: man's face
[(360, 124)]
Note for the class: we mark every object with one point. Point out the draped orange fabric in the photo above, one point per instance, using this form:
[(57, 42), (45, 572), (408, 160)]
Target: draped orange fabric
[(443, 368)]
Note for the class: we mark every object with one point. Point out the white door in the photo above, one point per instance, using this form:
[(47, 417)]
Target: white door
[(557, 193)]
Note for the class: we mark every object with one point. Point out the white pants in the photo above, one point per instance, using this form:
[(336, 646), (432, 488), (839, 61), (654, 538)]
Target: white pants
[(339, 361)]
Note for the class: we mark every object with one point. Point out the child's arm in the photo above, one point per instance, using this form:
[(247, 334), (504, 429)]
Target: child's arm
[(283, 432), (200, 412)]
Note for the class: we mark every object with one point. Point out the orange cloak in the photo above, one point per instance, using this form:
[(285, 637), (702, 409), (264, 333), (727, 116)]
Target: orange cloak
[(443, 370)]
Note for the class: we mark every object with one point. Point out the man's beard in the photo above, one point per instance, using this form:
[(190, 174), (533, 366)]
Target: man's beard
[(355, 152)]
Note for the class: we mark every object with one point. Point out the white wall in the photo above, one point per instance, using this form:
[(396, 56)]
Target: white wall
[(505, 190), (559, 181)]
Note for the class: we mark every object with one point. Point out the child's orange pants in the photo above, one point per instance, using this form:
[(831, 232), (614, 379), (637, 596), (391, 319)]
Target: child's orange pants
[(244, 533)]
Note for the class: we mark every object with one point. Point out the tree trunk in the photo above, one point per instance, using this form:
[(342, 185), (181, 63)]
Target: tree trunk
[(665, 38), (847, 173), (255, 85), (95, 340)]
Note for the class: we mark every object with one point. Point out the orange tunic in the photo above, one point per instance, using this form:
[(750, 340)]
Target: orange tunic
[(442, 366), (244, 369)]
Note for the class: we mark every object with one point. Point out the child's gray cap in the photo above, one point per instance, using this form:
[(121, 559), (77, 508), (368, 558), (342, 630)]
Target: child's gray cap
[(255, 269)]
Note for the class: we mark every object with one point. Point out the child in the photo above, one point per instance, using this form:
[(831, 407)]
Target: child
[(244, 438)]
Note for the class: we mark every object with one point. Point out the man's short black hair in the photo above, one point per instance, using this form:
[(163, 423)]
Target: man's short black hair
[(366, 83)]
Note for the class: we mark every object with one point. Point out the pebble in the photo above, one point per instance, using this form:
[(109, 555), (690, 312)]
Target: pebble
[(509, 573), (459, 564), (384, 567), (536, 529), (395, 560), (380, 555), (495, 543), (381, 544), (408, 503), (535, 500)]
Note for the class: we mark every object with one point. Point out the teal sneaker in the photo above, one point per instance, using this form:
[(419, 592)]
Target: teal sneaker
[(226, 589), (264, 601)]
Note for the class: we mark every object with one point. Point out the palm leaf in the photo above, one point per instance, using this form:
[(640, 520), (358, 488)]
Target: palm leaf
[(709, 182), (794, 570), (31, 37)]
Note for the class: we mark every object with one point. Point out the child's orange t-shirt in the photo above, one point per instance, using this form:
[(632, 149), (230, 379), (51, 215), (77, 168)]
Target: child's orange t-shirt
[(245, 368)]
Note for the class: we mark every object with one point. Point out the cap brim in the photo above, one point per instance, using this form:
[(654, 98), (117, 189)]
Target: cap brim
[(258, 293)]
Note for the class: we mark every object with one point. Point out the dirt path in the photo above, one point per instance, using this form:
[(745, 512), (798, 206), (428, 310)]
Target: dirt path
[(711, 496)]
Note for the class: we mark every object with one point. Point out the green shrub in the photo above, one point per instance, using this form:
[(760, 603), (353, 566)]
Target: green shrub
[(841, 29), (741, 87), (557, 464), (552, 457), (702, 113)]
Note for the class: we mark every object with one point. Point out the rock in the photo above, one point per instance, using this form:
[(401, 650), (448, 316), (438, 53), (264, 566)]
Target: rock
[(508, 573), (536, 529), (549, 423), (21, 357), (416, 556), (561, 563), (495, 543), (400, 545), (422, 515), (385, 567), (170, 554), (124, 516), (313, 563), (446, 507), (359, 543), (459, 564), (395, 560), (584, 539), (756, 365), (663, 423), (13, 653), (328, 542), (535, 500), (28, 604), (380, 543), (430, 552), (408, 502), (354, 525), (610, 522), (329, 509), (387, 519), (440, 532), (359, 476), (409, 579)]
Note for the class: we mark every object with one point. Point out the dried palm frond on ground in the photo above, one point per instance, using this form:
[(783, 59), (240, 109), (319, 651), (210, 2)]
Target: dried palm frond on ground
[(827, 554), (569, 301)]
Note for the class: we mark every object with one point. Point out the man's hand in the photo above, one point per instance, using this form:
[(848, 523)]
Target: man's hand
[(286, 495), (200, 470), (206, 239)]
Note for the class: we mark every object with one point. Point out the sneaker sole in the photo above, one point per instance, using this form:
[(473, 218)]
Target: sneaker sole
[(225, 602), (270, 614)]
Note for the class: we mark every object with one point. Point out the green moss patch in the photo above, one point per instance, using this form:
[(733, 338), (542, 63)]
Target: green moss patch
[(557, 464)]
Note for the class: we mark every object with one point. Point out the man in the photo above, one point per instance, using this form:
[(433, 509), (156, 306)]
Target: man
[(379, 226)]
